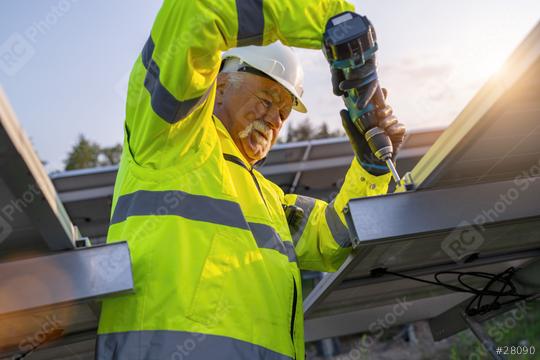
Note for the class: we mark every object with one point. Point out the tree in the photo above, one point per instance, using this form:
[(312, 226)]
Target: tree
[(325, 133), (305, 130), (88, 154), (111, 155)]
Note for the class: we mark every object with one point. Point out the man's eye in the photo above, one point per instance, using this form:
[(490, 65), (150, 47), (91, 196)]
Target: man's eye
[(267, 103)]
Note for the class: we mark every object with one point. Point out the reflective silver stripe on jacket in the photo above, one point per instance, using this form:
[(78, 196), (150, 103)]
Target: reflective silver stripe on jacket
[(179, 203), (291, 254), (339, 231), (267, 238), (177, 345), (250, 22), (307, 204), (164, 104), (200, 208)]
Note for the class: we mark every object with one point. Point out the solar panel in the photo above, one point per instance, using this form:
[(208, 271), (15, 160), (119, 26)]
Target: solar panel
[(32, 217), (422, 242), (496, 136), (46, 280), (287, 153)]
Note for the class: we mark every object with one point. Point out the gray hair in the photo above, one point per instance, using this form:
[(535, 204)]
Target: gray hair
[(231, 66)]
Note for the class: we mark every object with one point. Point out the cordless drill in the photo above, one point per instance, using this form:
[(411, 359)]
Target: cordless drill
[(350, 45)]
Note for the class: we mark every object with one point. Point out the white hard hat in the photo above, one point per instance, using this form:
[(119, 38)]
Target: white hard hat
[(277, 61)]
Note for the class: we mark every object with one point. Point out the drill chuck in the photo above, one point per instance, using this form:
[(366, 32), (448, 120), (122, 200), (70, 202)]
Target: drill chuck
[(379, 143)]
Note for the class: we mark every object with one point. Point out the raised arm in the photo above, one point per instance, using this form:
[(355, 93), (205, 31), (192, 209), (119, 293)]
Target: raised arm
[(171, 86)]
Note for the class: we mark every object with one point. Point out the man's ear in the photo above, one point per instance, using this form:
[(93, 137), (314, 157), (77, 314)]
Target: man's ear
[(222, 80), (221, 85)]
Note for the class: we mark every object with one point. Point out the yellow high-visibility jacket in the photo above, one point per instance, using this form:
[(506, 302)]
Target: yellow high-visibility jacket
[(215, 265)]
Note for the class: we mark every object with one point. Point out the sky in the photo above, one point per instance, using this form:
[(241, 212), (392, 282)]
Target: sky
[(68, 73)]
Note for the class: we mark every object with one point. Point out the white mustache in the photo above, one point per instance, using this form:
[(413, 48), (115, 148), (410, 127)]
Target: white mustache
[(258, 125)]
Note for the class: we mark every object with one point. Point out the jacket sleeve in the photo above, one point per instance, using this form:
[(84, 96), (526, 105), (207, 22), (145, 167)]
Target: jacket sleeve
[(322, 239), (173, 78)]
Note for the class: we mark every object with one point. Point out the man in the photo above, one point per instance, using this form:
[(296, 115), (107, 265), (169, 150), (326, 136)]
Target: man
[(215, 262)]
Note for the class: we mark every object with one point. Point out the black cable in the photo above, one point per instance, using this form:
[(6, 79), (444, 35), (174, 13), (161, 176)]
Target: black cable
[(504, 279), (507, 276)]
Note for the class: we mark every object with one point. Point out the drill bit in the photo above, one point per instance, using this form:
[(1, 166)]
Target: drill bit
[(393, 170)]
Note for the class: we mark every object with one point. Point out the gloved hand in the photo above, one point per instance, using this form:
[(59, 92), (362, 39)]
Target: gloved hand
[(386, 121)]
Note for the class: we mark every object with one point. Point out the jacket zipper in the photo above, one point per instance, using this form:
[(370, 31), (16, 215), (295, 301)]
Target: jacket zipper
[(295, 300), (258, 188), (239, 162)]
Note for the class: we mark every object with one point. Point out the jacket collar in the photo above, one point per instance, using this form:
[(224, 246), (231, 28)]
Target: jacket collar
[(227, 144)]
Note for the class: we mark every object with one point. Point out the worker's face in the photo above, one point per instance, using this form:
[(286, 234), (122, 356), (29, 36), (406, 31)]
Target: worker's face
[(253, 109)]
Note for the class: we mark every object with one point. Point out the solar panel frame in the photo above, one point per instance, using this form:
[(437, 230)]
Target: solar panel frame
[(27, 189)]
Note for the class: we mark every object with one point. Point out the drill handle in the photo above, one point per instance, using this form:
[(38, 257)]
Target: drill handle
[(367, 101), (368, 123), (378, 98), (337, 79)]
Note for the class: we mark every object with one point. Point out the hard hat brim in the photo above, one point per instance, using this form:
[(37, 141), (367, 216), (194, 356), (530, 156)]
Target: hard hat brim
[(299, 104)]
